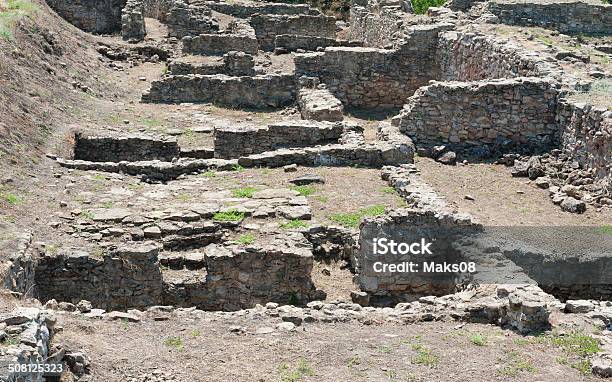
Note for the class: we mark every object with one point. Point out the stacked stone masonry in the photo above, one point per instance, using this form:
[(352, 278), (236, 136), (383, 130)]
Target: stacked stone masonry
[(378, 23), (246, 9), (124, 148), (292, 43), (239, 36), (460, 115), (234, 142), (127, 277), (132, 21), (96, 16), (261, 91), (372, 78), (190, 20), (267, 27), (569, 17), (587, 138)]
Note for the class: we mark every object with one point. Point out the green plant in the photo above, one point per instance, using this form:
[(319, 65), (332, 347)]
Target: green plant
[(304, 190), (12, 199), (583, 366), (150, 122), (576, 343), (184, 197), (237, 168), (209, 174), (424, 356), (175, 342), (15, 9), (302, 370), (195, 333), (421, 6), (245, 192), (352, 220), (388, 190), (107, 205), (294, 224), (516, 363), (228, 216), (247, 238), (478, 340), (87, 215), (606, 229), (10, 341)]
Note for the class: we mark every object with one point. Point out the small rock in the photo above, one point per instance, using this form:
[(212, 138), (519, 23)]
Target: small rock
[(290, 168), (286, 326), (68, 307), (542, 182), (579, 306), (326, 272), (307, 179), (573, 205), (469, 197), (115, 315), (448, 158), (84, 306)]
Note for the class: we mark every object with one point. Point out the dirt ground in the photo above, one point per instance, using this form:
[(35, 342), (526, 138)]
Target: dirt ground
[(209, 351)]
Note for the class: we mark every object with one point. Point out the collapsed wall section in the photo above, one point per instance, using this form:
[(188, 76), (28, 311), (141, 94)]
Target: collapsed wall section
[(267, 27), (500, 114), (262, 91), (96, 16), (570, 17)]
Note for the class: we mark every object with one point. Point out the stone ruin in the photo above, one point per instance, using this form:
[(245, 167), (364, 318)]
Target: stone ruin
[(451, 90)]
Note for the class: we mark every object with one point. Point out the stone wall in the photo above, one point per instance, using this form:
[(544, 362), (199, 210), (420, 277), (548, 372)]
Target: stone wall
[(232, 64), (245, 10), (190, 20), (158, 9), (587, 139), (569, 17), (291, 43), (470, 56), (132, 21), (96, 16), (378, 23), (124, 148), (278, 272), (499, 114), (372, 78), (234, 142), (267, 27), (215, 44), (18, 269), (262, 91), (127, 277)]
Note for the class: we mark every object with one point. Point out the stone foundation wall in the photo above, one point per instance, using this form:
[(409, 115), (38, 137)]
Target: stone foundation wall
[(215, 44), (18, 271), (378, 23), (127, 277), (96, 16), (291, 43), (267, 27), (234, 142), (371, 78), (501, 114), (190, 20), (569, 17), (243, 10), (124, 148), (470, 57), (263, 91), (132, 21), (587, 138), (279, 272), (158, 9)]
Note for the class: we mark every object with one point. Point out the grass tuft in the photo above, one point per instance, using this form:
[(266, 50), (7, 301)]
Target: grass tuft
[(246, 239), (294, 224), (228, 216), (352, 220), (245, 192), (304, 190), (175, 342), (303, 369)]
